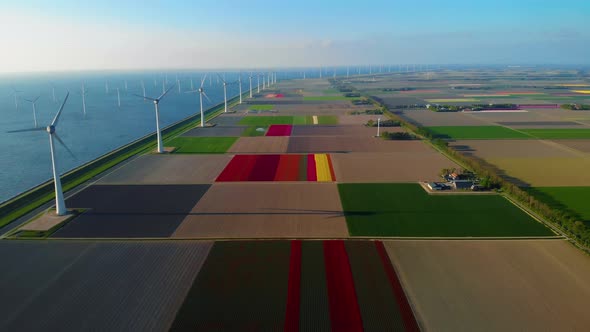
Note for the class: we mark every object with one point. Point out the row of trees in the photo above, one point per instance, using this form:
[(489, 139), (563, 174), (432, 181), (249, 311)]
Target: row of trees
[(490, 177), (576, 107)]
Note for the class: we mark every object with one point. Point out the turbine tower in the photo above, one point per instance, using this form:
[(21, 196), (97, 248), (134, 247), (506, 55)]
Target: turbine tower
[(250, 78), (34, 102), (202, 94), (83, 94), (143, 88), (240, 84), (15, 93), (258, 82), (60, 204), (156, 105), (118, 98), (224, 92)]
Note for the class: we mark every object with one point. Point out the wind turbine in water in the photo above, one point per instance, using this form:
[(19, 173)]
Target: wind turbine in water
[(83, 94), (34, 102), (118, 98), (15, 93), (156, 105), (202, 93), (60, 204)]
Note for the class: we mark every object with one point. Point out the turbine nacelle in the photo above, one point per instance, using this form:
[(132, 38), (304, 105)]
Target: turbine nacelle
[(50, 129)]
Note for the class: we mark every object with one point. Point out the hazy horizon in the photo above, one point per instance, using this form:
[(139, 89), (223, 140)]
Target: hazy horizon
[(144, 35)]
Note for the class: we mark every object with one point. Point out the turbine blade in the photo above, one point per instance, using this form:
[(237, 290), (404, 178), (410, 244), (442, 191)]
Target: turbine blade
[(140, 96), (64, 145), (28, 129), (204, 94), (166, 92), (203, 80), (56, 119), (221, 78), (35, 100)]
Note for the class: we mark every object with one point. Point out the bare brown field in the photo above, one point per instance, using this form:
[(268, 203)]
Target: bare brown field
[(327, 130), (336, 107), (428, 118), (169, 169), (546, 172), (358, 119), (266, 210), (580, 144), (266, 144), (311, 144), (512, 148), (390, 167), (518, 285)]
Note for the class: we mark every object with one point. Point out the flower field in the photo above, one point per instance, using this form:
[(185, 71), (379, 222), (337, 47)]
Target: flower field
[(275, 167)]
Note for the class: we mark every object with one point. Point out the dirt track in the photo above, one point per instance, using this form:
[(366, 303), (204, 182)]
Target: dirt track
[(278, 210), (526, 285)]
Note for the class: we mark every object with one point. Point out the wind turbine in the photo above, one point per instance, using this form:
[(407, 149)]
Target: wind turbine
[(118, 98), (202, 93), (178, 83), (263, 82), (224, 92), (60, 204), (53, 92), (240, 83), (33, 102), (15, 93), (125, 85), (192, 84), (83, 94), (320, 72), (106, 87), (250, 78), (143, 88), (258, 82), (156, 103)]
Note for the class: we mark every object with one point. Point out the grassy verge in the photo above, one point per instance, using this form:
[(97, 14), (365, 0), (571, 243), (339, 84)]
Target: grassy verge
[(202, 144)]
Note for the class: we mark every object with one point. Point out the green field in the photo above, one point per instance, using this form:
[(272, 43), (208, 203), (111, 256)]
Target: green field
[(264, 121), (202, 144), (559, 133), (325, 98), (252, 131), (331, 92), (261, 107), (572, 199), (476, 132), (407, 210), (322, 120)]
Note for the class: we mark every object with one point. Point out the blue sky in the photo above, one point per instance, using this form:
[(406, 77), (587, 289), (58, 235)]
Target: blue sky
[(222, 33)]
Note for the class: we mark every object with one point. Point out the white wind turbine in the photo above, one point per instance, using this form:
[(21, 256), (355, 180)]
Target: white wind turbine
[(34, 102), (250, 78), (53, 92), (224, 92), (15, 93), (202, 94), (156, 104), (60, 204), (240, 84), (118, 98), (258, 82), (106, 87), (143, 88), (83, 94), (263, 82)]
